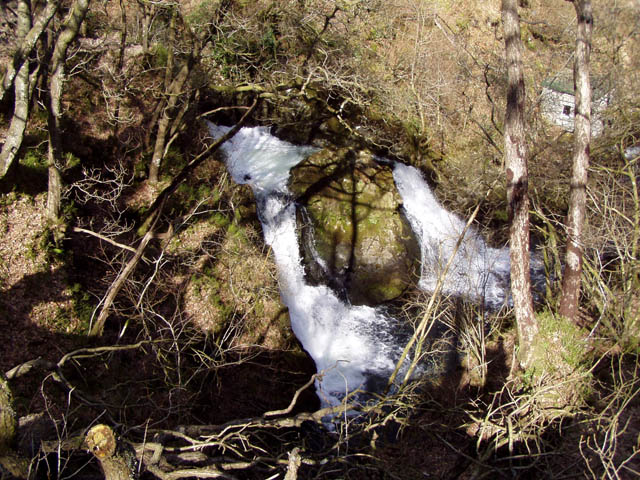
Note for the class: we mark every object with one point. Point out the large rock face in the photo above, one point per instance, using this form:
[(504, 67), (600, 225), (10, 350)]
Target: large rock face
[(354, 235)]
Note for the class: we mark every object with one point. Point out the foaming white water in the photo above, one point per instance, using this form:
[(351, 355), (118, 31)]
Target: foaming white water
[(256, 157), (349, 345), (356, 346), (478, 272)]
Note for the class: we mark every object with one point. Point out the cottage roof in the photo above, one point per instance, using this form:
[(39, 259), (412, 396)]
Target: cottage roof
[(563, 83)]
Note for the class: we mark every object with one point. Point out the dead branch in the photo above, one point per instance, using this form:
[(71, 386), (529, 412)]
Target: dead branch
[(294, 464), (117, 457), (98, 327), (205, 472), (106, 239), (26, 367), (210, 431), (294, 400)]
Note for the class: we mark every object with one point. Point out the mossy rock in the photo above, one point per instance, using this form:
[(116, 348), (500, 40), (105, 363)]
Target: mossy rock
[(355, 236)]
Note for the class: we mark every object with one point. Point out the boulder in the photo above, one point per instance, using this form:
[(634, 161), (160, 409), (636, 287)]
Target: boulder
[(355, 237)]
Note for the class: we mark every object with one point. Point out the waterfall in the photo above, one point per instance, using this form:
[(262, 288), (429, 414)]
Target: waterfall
[(478, 272), (354, 347)]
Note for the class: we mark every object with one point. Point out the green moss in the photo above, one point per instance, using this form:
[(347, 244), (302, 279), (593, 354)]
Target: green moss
[(82, 306), (220, 220), (501, 215), (207, 287), (48, 243), (560, 346), (140, 168)]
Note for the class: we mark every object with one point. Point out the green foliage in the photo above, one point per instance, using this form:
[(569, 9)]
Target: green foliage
[(220, 219), (82, 306), (35, 160), (202, 15), (71, 161), (270, 43), (189, 194), (140, 169), (174, 161), (159, 56), (45, 243)]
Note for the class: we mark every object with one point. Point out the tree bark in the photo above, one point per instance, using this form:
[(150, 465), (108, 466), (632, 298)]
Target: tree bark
[(174, 89), (517, 185), (70, 30), (571, 278), (22, 89), (9, 458), (147, 12), (118, 77), (27, 45)]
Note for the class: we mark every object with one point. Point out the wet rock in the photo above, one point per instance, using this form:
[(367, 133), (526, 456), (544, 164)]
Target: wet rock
[(354, 234)]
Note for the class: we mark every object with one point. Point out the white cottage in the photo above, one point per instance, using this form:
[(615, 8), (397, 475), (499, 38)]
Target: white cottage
[(558, 103)]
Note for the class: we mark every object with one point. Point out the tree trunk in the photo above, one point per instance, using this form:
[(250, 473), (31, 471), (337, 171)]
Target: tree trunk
[(571, 278), (118, 77), (168, 71), (22, 89), (517, 185), (9, 459), (146, 11), (27, 45), (170, 101), (176, 89), (70, 30)]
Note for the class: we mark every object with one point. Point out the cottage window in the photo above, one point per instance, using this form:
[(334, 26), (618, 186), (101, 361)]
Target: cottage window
[(566, 110)]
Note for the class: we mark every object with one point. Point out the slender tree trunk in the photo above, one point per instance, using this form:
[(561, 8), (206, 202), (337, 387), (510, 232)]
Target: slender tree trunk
[(147, 12), (22, 89), (170, 102), (176, 90), (517, 184), (27, 45), (119, 66), (571, 278), (70, 30), (168, 72)]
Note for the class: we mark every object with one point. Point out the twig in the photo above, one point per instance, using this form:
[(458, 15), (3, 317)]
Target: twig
[(106, 239), (422, 327), (92, 352), (287, 410)]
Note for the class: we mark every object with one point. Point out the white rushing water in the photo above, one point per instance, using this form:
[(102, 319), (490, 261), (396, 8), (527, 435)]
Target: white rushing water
[(478, 272), (353, 346)]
